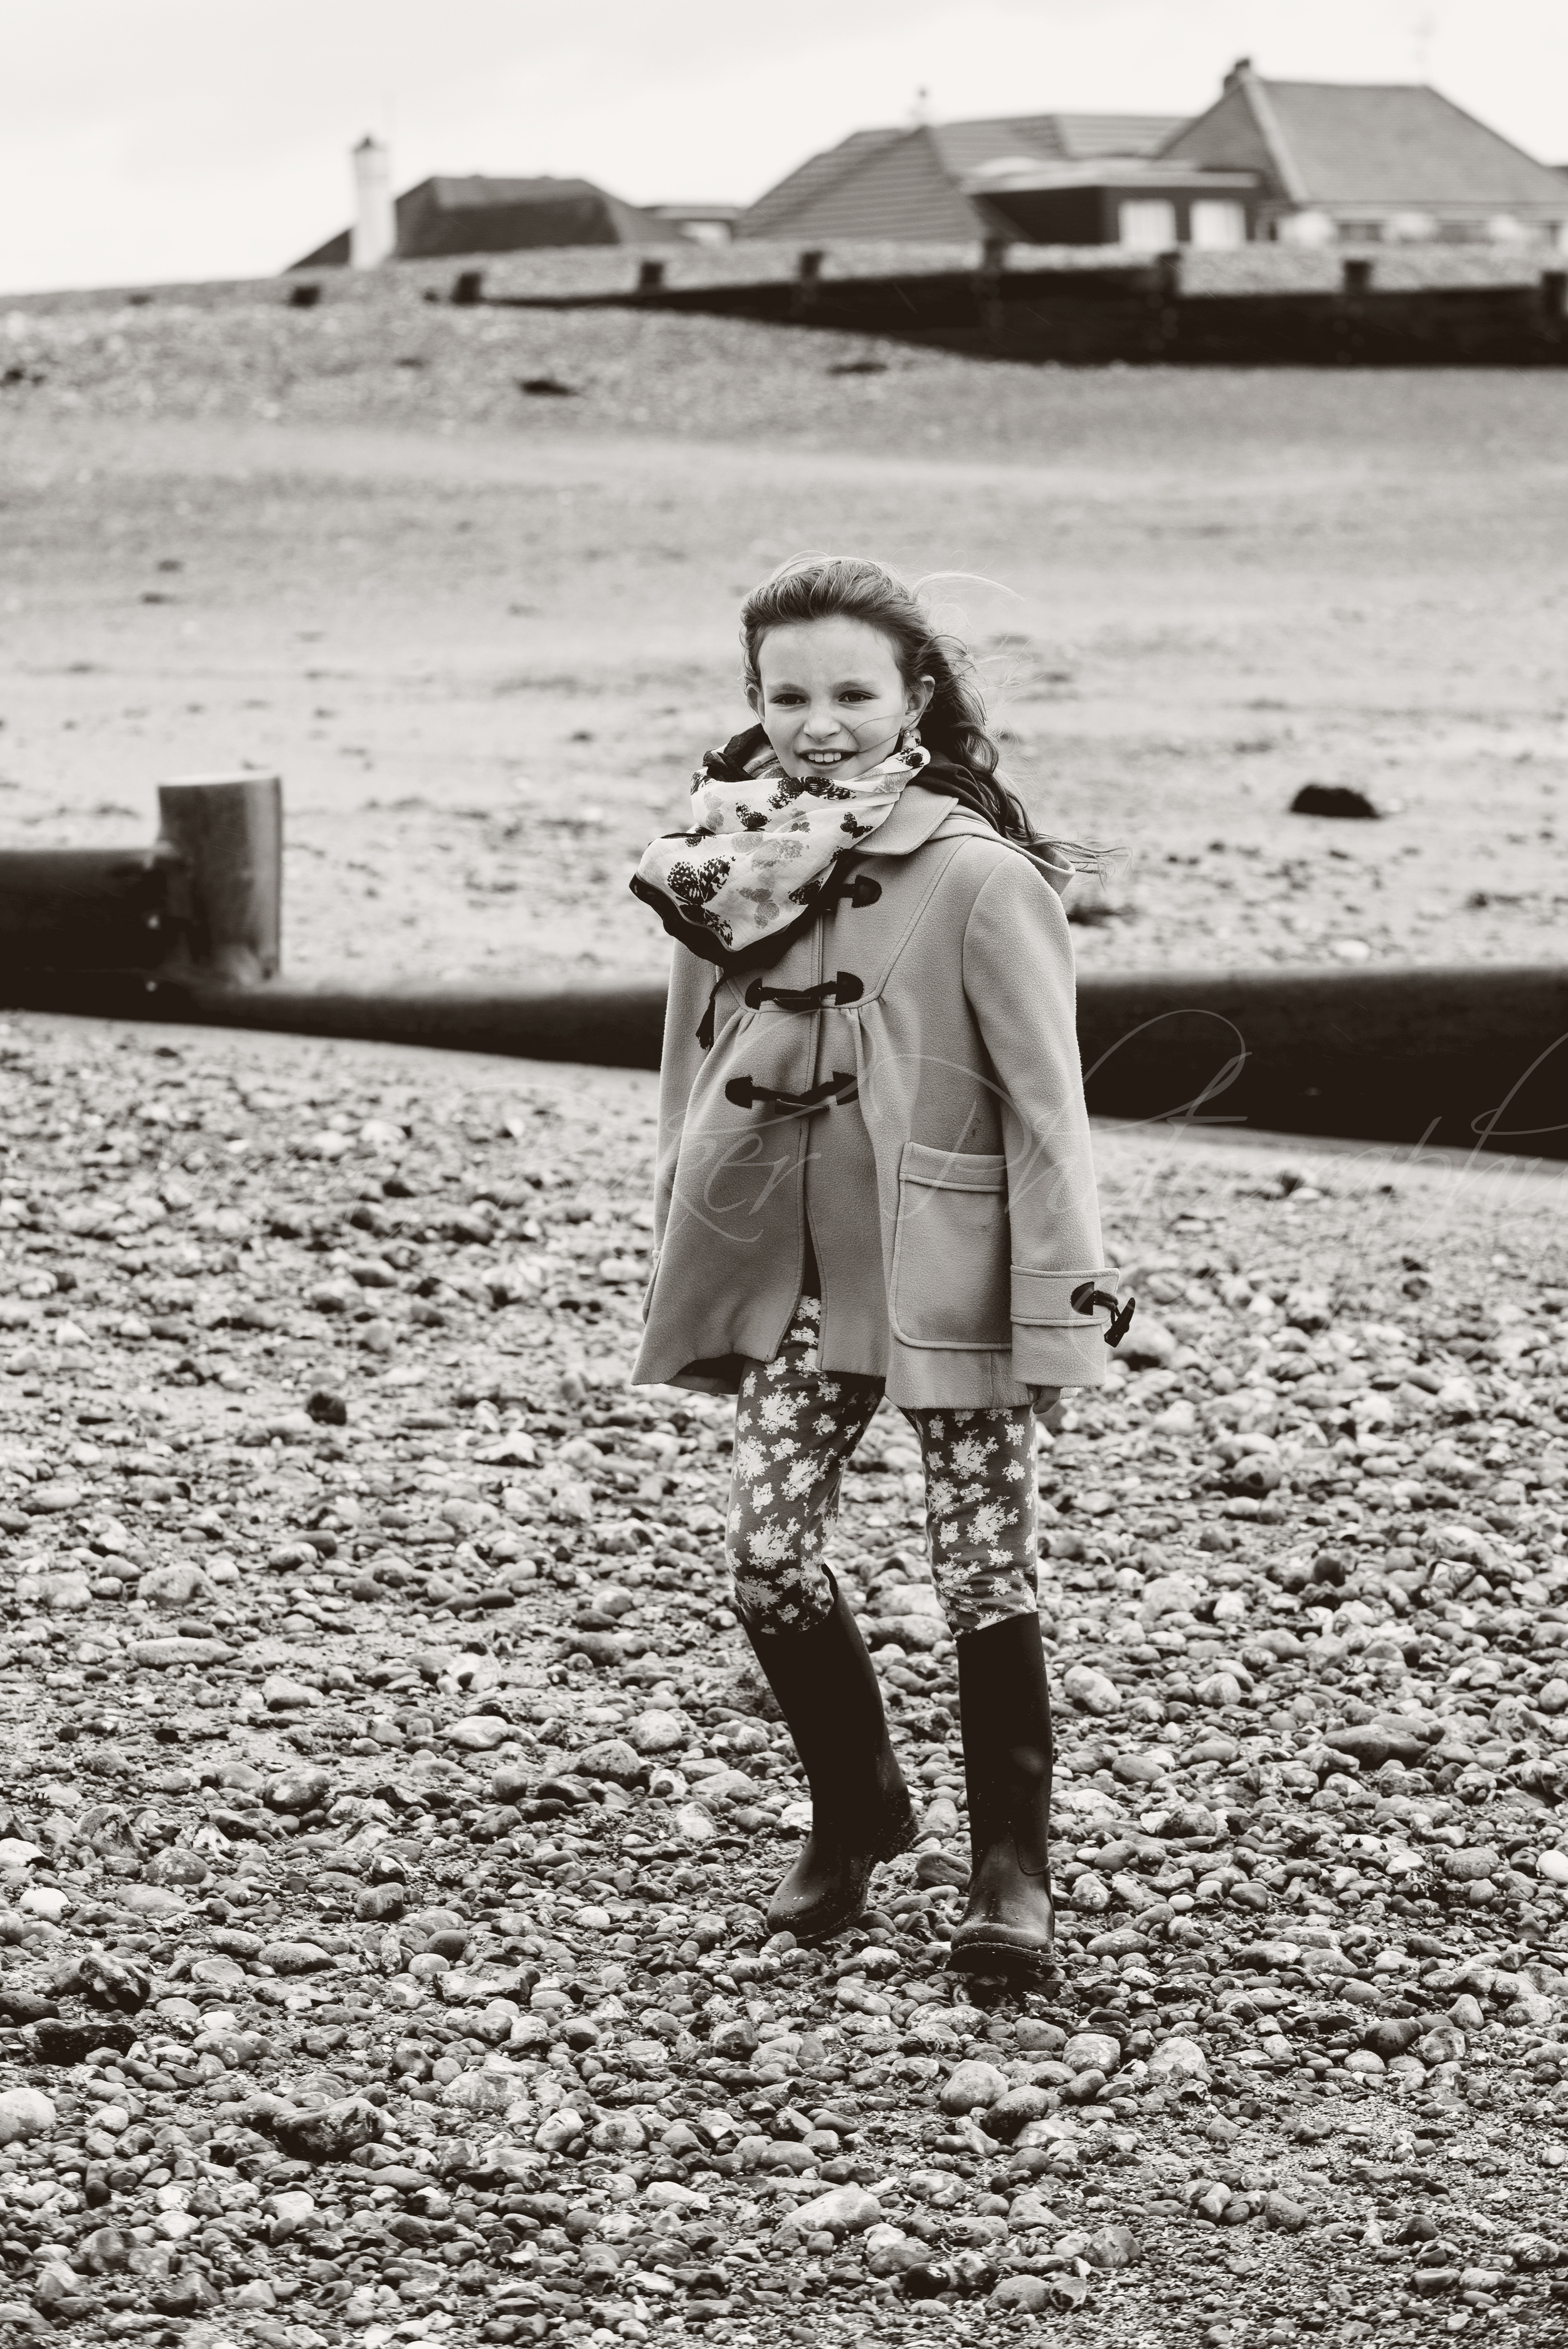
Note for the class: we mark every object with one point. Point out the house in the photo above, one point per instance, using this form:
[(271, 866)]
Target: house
[(919, 184), (484, 215), (1379, 164)]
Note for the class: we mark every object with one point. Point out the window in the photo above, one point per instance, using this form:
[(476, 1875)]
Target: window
[(1148, 224), (1219, 223), (1308, 228)]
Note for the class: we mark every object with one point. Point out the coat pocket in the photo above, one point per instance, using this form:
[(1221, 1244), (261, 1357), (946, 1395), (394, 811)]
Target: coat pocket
[(950, 1251)]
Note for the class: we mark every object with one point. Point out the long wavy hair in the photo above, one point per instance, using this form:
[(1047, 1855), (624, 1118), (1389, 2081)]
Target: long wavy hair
[(953, 727)]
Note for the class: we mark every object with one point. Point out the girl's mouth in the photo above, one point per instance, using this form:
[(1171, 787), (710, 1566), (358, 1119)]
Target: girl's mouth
[(825, 758)]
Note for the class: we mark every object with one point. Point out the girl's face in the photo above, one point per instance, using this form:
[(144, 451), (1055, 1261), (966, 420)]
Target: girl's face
[(831, 697)]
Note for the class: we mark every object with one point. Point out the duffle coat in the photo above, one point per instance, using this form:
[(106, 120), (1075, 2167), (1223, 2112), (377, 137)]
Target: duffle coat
[(920, 1115)]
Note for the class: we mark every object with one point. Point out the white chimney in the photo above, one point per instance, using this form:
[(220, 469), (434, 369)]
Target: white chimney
[(374, 236)]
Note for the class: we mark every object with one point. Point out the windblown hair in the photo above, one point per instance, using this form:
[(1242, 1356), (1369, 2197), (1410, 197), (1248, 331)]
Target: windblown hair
[(966, 756)]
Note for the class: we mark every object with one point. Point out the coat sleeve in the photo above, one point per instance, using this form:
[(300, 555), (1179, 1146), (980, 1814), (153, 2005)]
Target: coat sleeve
[(1018, 980), (691, 984)]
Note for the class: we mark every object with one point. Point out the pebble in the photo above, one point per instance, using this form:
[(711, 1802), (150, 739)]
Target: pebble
[(332, 2131), (1092, 1692), (479, 1732), (612, 1758), (972, 2087), (843, 2210), (1091, 2051), (25, 2113), (1178, 2058), (658, 1733)]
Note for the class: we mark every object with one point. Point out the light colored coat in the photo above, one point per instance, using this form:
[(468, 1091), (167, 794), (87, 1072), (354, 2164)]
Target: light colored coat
[(951, 1201)]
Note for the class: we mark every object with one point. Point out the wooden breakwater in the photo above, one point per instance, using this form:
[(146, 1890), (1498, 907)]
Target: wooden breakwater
[(187, 929), (1466, 1058), (1137, 313)]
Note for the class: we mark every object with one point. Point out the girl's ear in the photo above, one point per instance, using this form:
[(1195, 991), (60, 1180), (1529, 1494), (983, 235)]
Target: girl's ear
[(754, 699), (917, 699)]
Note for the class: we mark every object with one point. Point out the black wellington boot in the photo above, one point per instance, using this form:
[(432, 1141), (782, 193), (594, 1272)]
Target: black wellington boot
[(860, 1810), (1005, 1708)]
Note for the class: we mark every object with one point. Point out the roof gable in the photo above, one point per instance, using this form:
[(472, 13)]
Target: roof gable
[(1234, 134), (902, 191), (1400, 144), (841, 191), (773, 212), (1345, 143)]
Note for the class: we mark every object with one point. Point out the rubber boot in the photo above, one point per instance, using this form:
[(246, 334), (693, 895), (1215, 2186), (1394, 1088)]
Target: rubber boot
[(1005, 1708), (860, 1810)]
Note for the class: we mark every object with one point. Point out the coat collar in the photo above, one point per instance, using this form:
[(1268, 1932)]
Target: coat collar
[(919, 813), (923, 814)]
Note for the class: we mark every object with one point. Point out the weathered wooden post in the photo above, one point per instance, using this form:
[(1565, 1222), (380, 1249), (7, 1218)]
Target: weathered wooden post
[(650, 277), (989, 314), (1164, 304), (807, 281), (1349, 308), (228, 834)]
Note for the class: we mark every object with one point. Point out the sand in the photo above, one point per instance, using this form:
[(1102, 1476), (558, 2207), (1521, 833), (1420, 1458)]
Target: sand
[(483, 634)]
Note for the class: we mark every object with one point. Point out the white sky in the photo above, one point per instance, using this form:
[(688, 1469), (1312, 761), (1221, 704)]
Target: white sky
[(150, 139)]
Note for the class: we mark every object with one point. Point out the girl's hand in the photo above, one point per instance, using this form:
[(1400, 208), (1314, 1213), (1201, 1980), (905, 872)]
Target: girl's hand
[(1045, 1400)]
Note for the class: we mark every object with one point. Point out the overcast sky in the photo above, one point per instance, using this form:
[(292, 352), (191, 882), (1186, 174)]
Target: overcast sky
[(150, 139)]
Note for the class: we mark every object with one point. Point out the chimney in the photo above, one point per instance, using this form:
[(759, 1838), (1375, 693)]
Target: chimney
[(374, 236), (1240, 72)]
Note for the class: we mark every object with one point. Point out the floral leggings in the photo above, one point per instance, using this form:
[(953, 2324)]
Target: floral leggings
[(795, 1427)]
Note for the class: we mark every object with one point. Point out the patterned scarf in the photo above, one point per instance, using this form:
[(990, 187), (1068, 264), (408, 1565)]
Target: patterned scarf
[(762, 849)]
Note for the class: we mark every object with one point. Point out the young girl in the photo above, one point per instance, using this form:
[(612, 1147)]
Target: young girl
[(875, 1178)]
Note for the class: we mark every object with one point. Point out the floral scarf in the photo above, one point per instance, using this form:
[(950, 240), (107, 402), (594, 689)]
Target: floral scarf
[(763, 849)]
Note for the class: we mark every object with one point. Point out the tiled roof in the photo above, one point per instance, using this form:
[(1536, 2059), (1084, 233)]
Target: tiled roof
[(819, 198), (1053, 138), (475, 188), (1347, 144), (1400, 144), (771, 212), (473, 214)]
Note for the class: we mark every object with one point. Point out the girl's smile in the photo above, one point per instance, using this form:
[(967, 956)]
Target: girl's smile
[(831, 697)]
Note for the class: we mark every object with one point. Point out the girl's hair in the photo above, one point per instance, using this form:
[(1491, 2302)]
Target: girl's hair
[(953, 728)]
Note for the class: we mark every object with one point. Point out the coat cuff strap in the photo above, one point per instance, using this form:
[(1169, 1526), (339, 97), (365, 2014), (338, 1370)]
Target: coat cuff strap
[(1083, 1299)]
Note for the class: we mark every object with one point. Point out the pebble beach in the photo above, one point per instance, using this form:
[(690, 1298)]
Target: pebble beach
[(391, 1806)]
